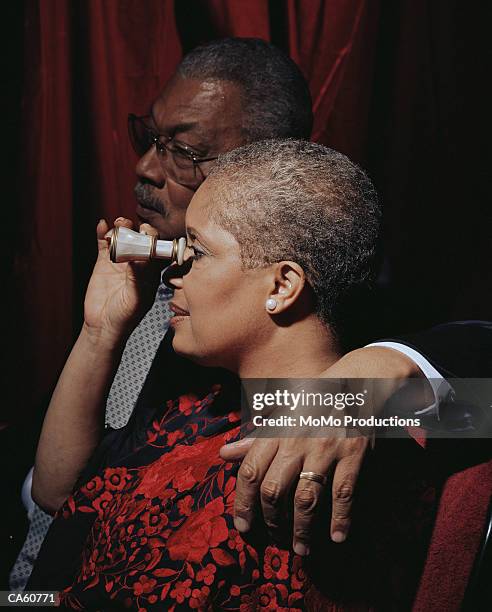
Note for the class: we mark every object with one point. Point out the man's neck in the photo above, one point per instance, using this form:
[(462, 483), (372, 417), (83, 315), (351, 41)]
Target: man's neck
[(302, 350)]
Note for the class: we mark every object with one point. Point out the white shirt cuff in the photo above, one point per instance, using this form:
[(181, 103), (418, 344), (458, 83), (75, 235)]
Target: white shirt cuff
[(440, 386)]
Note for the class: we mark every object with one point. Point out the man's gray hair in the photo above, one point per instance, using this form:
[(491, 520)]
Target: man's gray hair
[(275, 96), (303, 202)]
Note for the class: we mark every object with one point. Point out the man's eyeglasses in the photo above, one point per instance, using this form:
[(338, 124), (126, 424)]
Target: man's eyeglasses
[(181, 162)]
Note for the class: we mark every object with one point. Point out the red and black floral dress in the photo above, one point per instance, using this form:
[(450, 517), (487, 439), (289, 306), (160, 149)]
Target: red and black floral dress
[(158, 531)]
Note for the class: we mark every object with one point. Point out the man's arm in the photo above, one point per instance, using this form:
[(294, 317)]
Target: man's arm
[(272, 466), (462, 349)]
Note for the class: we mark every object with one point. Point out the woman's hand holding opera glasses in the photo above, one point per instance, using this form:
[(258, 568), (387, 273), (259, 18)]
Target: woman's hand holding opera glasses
[(118, 294)]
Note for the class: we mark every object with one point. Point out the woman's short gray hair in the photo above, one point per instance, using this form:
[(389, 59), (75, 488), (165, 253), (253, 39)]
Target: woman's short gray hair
[(300, 201)]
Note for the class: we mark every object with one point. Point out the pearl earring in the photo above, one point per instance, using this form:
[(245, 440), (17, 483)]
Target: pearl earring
[(271, 304)]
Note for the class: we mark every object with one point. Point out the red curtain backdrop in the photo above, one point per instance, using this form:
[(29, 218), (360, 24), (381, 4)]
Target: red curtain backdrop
[(389, 84)]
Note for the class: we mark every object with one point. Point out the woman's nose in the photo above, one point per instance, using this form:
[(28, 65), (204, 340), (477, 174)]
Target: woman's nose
[(150, 169), (175, 282), (173, 275)]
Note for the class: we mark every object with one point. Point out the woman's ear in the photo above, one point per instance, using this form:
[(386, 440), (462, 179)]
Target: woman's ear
[(288, 282)]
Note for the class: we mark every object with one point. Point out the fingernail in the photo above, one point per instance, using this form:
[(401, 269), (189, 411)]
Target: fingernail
[(301, 549), (241, 524), (119, 219), (338, 537)]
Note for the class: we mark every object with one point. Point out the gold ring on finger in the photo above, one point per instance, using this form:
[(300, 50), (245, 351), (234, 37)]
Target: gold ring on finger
[(319, 478)]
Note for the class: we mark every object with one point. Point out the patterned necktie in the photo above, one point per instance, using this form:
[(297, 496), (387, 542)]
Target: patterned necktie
[(137, 359)]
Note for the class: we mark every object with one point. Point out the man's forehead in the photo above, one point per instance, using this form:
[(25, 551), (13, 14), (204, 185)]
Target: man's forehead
[(197, 104)]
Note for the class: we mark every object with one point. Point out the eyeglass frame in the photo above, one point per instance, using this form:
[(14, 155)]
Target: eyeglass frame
[(162, 146)]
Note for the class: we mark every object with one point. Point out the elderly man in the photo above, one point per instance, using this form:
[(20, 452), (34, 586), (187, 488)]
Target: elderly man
[(223, 95)]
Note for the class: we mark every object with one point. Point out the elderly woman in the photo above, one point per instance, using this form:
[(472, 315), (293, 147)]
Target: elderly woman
[(278, 236)]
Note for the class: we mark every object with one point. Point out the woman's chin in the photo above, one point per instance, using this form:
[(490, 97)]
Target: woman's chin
[(184, 346), (182, 343)]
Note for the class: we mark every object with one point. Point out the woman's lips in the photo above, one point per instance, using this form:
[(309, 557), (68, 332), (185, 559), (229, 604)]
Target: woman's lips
[(179, 314)]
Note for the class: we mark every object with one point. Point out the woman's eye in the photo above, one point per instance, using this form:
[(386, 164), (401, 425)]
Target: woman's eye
[(197, 254)]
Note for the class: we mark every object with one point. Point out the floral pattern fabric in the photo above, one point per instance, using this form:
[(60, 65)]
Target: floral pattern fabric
[(162, 535)]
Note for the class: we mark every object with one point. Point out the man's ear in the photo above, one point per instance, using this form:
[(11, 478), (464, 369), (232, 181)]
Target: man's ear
[(288, 282)]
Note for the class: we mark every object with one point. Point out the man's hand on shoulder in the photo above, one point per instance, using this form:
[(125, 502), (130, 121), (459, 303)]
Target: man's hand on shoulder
[(271, 467)]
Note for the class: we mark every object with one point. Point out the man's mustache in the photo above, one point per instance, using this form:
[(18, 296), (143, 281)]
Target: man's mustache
[(146, 198)]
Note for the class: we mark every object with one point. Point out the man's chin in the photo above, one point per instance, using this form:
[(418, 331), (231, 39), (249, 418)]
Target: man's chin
[(166, 229), (148, 215)]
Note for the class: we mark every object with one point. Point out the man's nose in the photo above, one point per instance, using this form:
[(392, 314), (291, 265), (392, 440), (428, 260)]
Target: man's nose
[(149, 168)]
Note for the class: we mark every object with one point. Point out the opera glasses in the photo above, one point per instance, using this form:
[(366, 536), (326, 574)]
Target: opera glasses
[(127, 245)]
